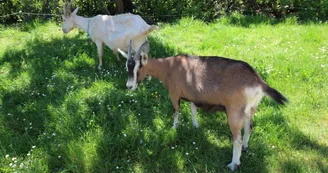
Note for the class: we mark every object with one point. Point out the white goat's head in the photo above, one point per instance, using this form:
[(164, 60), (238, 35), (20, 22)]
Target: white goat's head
[(135, 63), (68, 17)]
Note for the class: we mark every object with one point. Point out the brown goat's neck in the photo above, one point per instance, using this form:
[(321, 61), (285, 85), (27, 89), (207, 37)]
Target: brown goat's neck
[(81, 23), (157, 68)]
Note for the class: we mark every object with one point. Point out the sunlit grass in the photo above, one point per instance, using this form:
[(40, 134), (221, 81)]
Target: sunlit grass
[(60, 114)]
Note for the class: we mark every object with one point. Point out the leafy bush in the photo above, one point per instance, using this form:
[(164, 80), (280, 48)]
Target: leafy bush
[(155, 10)]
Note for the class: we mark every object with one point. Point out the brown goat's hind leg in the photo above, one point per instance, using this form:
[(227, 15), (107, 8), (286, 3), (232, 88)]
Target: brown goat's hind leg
[(248, 127), (235, 121)]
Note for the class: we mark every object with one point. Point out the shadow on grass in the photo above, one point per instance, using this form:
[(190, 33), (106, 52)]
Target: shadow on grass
[(136, 136), (39, 79)]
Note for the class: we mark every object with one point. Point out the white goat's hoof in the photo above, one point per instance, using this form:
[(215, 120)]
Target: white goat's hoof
[(244, 149), (233, 166), (196, 125)]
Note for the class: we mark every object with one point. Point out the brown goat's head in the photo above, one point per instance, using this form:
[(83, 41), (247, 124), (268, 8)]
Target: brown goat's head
[(134, 64)]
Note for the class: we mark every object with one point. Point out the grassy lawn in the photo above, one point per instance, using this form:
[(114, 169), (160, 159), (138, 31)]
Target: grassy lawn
[(58, 113)]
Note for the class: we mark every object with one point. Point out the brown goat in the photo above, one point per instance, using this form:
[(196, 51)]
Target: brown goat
[(210, 83)]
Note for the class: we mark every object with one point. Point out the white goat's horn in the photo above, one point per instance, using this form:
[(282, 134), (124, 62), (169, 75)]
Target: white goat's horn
[(137, 55), (129, 49)]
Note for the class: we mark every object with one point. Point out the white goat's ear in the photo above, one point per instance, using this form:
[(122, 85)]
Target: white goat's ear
[(123, 54), (75, 11)]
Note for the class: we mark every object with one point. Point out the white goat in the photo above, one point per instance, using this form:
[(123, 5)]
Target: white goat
[(114, 31), (210, 83)]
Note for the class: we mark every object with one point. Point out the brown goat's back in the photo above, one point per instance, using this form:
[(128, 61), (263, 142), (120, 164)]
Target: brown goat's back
[(211, 80)]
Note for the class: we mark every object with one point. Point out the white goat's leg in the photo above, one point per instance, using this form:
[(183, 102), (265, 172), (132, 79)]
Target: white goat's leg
[(193, 108), (100, 53), (235, 123), (176, 119)]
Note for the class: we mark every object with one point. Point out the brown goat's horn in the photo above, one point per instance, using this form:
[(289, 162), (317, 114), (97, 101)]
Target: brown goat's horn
[(129, 49), (137, 55)]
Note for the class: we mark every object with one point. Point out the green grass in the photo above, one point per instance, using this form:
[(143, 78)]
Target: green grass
[(58, 113)]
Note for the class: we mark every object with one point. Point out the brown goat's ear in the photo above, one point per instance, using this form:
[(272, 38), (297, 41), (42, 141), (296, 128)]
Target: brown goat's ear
[(144, 58)]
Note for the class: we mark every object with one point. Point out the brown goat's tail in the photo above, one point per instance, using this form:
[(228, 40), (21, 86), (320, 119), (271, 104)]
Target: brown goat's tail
[(275, 95)]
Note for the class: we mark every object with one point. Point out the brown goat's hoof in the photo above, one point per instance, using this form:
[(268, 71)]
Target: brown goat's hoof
[(233, 166)]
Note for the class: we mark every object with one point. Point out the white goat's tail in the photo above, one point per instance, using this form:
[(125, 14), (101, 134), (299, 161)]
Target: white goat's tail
[(151, 28)]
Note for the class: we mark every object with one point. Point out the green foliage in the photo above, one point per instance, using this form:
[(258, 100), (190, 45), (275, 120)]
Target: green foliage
[(58, 113), (154, 10)]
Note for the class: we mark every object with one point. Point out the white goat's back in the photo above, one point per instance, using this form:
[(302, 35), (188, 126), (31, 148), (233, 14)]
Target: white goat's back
[(117, 31)]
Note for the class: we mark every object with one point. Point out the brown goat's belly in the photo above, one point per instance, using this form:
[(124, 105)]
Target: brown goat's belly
[(211, 108), (208, 107)]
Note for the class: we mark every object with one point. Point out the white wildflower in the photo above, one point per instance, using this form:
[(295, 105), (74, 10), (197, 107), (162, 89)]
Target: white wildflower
[(7, 155)]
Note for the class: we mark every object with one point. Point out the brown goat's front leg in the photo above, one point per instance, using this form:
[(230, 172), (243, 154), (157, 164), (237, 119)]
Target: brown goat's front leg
[(100, 53), (176, 105), (235, 121)]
